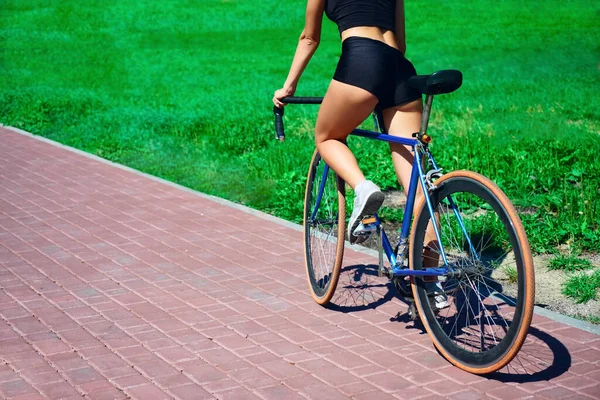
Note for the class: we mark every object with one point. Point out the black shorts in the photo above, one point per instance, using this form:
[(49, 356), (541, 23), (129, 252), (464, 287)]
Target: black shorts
[(378, 68)]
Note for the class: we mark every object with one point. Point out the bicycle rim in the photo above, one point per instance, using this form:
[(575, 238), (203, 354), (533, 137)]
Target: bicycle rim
[(478, 320), (323, 229)]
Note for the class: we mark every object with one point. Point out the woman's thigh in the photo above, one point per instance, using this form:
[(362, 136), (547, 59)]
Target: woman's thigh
[(403, 121), (344, 107)]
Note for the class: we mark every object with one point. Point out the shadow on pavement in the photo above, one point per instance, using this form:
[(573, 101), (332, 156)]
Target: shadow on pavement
[(542, 357), (360, 288)]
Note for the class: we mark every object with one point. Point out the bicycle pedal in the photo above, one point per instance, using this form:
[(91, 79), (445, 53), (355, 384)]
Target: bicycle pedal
[(369, 220)]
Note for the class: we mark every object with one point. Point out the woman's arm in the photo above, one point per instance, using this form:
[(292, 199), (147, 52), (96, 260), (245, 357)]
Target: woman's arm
[(400, 28), (307, 45)]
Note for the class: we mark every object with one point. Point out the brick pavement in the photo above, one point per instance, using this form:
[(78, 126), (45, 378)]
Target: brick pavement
[(116, 285)]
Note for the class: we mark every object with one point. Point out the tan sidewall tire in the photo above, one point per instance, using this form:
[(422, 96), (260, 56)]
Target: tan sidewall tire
[(335, 275), (529, 300)]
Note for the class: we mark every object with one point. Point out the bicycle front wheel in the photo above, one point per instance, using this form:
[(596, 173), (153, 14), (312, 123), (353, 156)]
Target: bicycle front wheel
[(478, 318), (324, 227)]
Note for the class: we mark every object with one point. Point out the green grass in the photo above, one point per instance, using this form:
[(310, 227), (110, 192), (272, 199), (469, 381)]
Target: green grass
[(391, 215), (594, 319), (182, 90), (569, 263), (582, 287), (511, 273)]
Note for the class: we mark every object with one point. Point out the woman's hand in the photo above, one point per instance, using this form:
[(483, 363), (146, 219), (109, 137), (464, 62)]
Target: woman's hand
[(280, 94)]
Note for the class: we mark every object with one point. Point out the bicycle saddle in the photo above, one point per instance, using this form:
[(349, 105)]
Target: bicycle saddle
[(444, 81)]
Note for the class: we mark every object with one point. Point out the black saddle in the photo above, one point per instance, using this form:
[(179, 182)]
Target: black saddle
[(444, 81)]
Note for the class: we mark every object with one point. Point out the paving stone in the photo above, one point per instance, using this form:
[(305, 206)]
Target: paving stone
[(191, 391), (202, 373), (509, 392), (592, 391), (237, 394), (277, 392), (280, 369), (556, 392), (14, 388), (147, 392)]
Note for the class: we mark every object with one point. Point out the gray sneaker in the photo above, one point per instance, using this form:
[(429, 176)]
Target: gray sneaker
[(368, 200)]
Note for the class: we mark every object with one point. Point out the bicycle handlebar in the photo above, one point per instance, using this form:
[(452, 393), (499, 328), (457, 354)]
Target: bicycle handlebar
[(302, 100), (278, 112)]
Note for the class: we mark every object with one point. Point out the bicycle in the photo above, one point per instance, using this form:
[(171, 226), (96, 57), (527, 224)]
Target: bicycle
[(478, 252)]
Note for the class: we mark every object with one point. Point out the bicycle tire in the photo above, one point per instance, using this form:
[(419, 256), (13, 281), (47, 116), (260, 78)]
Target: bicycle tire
[(502, 269), (323, 230)]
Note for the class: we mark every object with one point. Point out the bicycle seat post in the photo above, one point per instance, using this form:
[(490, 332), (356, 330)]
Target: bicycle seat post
[(426, 114)]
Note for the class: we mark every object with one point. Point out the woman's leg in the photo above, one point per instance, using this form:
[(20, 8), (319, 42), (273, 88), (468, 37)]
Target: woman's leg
[(344, 108), (403, 121)]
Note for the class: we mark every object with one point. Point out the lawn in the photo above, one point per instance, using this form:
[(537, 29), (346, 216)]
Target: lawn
[(182, 90)]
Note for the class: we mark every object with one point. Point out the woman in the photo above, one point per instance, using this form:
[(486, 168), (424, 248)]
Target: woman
[(372, 69)]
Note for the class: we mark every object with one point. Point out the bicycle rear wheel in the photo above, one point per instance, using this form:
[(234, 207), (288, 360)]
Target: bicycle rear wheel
[(324, 227), (479, 319)]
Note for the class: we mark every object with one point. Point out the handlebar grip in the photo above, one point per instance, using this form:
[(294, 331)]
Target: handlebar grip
[(279, 132)]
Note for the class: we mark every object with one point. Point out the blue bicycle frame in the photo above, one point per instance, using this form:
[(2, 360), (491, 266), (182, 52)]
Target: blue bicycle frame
[(417, 176), (419, 149)]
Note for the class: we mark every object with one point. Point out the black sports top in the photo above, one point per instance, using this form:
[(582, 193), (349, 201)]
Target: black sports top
[(350, 13)]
